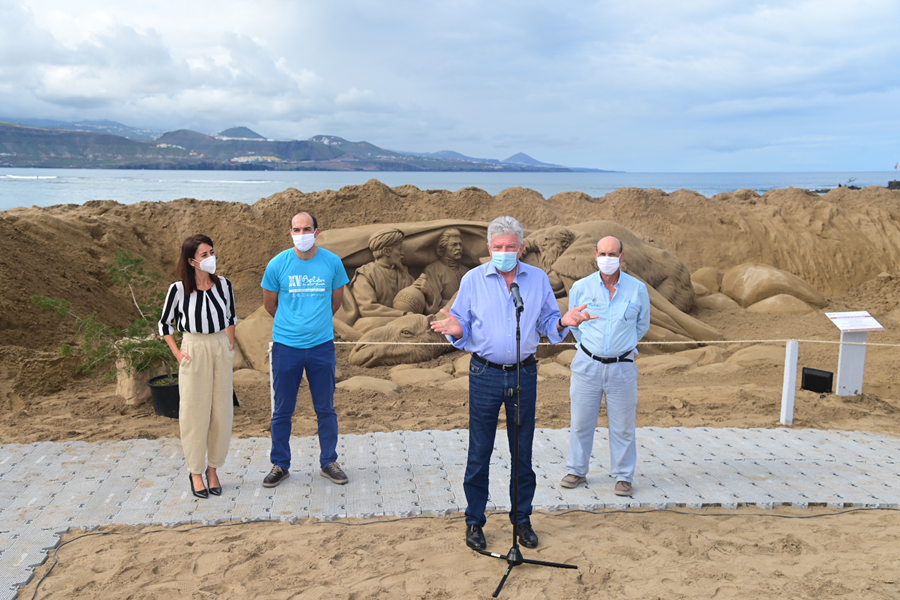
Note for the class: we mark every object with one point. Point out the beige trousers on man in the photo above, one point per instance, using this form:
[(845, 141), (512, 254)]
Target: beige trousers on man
[(206, 413)]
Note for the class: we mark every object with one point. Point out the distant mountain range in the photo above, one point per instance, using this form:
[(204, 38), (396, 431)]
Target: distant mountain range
[(107, 144), (110, 127)]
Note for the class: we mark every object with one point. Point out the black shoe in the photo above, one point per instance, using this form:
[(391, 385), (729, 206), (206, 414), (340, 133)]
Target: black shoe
[(527, 535), (215, 491), (475, 537), (275, 476), (199, 493)]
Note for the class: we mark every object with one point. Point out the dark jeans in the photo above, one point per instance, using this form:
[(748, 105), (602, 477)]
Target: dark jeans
[(488, 391), (288, 365)]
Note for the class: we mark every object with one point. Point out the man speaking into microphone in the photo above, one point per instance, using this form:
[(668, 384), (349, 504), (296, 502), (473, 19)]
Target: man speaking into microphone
[(482, 321)]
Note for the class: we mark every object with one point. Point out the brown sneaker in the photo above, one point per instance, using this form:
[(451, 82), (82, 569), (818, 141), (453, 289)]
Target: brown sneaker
[(623, 488), (335, 474), (275, 476), (572, 481)]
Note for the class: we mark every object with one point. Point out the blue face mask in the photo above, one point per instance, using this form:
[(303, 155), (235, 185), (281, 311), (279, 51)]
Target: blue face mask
[(504, 261)]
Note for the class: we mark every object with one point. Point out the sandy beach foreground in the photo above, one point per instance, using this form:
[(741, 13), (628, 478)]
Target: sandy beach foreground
[(712, 553), (846, 244)]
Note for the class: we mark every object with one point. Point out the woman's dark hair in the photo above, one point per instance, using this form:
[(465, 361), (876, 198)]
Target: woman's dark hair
[(184, 270)]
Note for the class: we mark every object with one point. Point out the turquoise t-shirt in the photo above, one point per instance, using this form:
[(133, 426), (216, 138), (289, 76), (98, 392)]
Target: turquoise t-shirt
[(304, 288)]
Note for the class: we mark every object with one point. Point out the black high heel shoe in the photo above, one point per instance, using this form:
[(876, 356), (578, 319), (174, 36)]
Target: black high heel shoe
[(215, 491), (204, 493)]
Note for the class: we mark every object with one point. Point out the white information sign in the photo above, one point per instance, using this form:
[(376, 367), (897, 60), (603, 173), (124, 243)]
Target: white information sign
[(857, 320)]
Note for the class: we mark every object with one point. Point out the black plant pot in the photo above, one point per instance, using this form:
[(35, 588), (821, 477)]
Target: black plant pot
[(165, 396)]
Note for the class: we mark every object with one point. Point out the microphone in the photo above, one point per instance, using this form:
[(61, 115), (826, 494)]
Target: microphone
[(517, 297)]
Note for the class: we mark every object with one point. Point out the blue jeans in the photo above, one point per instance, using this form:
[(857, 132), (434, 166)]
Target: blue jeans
[(288, 365), (489, 390)]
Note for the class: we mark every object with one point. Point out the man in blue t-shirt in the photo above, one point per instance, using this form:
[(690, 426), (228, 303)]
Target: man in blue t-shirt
[(302, 288)]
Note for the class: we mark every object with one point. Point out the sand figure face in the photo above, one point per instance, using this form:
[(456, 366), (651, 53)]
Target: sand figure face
[(454, 249), (444, 274), (409, 328), (393, 256)]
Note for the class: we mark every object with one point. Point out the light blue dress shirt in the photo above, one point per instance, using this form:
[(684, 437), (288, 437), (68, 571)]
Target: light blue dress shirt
[(620, 323), (485, 309)]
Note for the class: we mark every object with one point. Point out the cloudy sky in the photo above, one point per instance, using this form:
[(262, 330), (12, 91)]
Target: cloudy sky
[(643, 85)]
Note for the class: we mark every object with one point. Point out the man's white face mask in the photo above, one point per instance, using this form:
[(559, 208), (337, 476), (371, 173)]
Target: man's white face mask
[(304, 241), (608, 264)]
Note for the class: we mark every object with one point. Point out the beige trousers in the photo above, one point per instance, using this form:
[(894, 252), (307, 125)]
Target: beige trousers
[(206, 412)]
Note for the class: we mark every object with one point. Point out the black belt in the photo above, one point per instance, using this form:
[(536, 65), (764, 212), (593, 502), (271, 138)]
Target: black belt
[(530, 360), (607, 361)]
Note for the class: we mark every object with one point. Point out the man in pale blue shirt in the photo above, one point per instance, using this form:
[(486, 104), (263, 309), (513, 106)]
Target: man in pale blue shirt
[(483, 321), (604, 364)]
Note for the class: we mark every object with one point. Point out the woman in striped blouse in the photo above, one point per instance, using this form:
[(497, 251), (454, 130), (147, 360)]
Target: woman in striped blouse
[(202, 306)]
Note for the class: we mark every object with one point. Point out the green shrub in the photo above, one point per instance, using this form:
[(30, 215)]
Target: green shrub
[(138, 345)]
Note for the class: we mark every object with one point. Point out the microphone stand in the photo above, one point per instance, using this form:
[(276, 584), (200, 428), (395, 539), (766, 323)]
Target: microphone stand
[(514, 557)]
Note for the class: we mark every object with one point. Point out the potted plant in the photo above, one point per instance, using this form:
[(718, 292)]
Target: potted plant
[(134, 354)]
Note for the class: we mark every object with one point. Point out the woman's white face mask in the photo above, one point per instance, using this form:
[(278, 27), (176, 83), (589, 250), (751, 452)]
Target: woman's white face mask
[(208, 264)]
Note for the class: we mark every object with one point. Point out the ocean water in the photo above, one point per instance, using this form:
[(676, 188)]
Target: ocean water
[(48, 187)]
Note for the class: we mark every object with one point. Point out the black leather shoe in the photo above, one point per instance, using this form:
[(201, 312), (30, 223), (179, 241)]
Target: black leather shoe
[(215, 491), (527, 535), (475, 537), (199, 493)]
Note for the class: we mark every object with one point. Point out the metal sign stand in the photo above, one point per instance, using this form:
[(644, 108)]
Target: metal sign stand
[(855, 327)]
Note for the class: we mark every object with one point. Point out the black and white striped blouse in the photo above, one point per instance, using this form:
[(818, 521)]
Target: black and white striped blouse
[(201, 312)]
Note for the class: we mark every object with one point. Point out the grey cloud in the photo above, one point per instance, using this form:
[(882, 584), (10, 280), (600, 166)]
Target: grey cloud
[(637, 84)]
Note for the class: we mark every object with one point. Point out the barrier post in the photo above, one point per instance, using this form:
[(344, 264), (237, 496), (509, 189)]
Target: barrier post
[(791, 353)]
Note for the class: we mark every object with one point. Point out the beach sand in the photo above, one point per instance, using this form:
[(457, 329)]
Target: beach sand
[(846, 244), (712, 553)]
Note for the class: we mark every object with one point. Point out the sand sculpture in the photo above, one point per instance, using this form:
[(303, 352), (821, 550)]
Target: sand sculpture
[(418, 267), (566, 253), (374, 287), (408, 329)]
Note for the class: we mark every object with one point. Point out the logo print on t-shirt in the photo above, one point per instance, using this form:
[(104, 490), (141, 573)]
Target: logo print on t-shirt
[(303, 284)]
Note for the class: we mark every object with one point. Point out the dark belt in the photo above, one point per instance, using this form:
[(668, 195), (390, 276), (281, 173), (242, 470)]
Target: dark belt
[(605, 360), (530, 360)]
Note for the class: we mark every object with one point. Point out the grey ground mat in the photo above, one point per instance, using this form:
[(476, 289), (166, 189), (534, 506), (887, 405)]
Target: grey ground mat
[(47, 487)]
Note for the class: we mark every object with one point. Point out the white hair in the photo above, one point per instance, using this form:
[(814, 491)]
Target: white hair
[(505, 226)]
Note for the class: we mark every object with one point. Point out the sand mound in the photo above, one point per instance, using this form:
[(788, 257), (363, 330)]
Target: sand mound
[(782, 304), (750, 283)]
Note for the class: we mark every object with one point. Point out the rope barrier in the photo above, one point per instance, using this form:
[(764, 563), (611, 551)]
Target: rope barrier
[(705, 342)]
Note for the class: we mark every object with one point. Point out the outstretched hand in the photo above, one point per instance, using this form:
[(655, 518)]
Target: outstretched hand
[(577, 316), (448, 326)]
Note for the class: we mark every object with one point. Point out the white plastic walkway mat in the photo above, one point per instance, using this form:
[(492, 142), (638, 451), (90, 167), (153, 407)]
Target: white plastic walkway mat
[(47, 488)]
